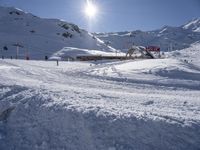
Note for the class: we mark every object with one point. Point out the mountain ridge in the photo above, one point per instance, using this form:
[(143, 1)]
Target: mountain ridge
[(40, 37), (168, 37)]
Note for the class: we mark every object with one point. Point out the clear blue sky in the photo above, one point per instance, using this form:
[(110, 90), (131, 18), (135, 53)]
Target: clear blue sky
[(114, 15)]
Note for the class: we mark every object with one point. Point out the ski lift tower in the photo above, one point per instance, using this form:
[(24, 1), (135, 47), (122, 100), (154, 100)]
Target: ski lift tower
[(130, 42)]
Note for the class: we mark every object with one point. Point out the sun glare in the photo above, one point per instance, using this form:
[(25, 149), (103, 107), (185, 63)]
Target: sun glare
[(90, 10)]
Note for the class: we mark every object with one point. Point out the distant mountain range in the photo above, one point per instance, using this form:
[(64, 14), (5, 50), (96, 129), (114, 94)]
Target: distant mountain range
[(37, 37), (168, 38)]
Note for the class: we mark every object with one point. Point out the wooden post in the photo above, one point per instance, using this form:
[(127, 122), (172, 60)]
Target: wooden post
[(17, 51), (46, 58)]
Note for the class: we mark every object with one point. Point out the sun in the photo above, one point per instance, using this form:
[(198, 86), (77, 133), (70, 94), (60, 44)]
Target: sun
[(90, 10)]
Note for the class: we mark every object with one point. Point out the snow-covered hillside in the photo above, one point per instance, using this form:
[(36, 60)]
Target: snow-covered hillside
[(125, 105), (190, 55), (168, 38), (37, 37)]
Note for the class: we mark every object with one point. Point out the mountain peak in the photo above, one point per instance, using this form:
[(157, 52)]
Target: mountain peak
[(193, 25)]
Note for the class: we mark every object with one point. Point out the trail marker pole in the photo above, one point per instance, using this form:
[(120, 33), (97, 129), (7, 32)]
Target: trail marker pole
[(17, 51)]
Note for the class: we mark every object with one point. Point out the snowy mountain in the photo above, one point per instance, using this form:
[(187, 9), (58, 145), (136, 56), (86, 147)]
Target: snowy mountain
[(193, 25), (168, 38), (37, 37)]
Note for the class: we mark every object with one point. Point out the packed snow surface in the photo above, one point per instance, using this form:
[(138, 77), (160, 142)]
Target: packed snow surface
[(121, 105)]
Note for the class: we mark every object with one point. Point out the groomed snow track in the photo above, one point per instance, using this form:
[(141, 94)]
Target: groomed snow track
[(43, 106)]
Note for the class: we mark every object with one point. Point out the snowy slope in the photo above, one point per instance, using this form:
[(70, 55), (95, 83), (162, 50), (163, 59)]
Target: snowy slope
[(39, 37), (190, 55), (168, 38), (126, 105)]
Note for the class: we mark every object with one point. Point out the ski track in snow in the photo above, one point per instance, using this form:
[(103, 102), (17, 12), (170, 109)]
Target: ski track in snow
[(99, 105)]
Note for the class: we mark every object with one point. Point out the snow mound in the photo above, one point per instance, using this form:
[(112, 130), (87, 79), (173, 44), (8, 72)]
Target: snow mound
[(163, 72), (72, 53)]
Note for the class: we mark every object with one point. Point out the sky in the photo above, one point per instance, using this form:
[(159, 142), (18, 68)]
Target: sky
[(114, 15)]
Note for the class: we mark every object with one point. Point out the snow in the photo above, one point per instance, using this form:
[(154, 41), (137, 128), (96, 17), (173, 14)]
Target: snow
[(163, 30), (19, 9), (190, 55), (191, 23), (71, 52), (135, 104), (197, 29)]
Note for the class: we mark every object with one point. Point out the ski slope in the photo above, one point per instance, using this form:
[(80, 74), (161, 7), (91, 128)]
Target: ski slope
[(126, 105)]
